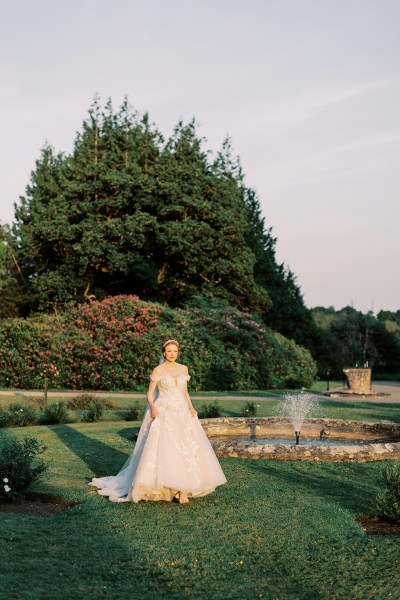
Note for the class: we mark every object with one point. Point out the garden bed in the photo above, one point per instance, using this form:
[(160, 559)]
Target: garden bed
[(378, 526), (35, 504)]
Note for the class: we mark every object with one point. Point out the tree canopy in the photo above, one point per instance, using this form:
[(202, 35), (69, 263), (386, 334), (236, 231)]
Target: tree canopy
[(128, 212)]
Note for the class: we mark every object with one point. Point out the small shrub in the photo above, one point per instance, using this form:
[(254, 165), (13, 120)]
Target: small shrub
[(133, 412), (388, 501), (85, 401), (56, 413), (38, 402), (210, 411), (249, 409), (19, 466), (6, 418), (22, 416), (95, 411)]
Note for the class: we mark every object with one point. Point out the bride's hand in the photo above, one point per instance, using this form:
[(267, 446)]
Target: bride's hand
[(193, 411), (154, 413)]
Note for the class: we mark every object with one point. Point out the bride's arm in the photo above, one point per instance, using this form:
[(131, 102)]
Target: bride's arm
[(192, 410), (150, 398)]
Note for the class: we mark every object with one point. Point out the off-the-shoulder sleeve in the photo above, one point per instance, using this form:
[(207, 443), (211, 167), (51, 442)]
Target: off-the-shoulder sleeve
[(155, 378), (187, 377)]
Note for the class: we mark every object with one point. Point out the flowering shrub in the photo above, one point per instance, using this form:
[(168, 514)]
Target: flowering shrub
[(114, 344), (22, 416), (249, 409), (20, 466), (18, 415)]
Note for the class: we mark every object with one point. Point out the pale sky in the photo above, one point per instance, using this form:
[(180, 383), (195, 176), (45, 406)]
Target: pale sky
[(308, 90)]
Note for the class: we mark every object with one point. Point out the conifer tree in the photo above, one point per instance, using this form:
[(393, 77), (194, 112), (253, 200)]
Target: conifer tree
[(201, 228), (128, 213)]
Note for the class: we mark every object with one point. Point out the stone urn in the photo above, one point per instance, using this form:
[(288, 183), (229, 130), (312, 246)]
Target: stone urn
[(358, 379)]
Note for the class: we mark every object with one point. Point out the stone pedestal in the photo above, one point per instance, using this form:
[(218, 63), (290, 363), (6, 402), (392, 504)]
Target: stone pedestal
[(358, 380)]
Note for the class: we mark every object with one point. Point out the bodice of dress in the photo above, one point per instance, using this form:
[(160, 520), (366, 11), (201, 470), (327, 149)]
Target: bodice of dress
[(170, 389)]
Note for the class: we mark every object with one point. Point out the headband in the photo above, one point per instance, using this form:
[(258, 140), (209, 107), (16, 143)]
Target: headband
[(170, 342)]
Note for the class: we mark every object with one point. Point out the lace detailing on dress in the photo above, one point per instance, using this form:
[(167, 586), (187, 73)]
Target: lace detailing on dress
[(158, 378), (172, 453)]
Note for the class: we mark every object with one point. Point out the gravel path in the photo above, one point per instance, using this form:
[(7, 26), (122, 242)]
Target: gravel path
[(391, 388)]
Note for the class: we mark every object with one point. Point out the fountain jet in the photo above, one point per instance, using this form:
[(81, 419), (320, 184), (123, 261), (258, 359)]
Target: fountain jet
[(297, 407)]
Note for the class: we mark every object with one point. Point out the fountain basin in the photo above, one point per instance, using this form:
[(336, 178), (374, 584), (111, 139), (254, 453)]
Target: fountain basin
[(372, 447)]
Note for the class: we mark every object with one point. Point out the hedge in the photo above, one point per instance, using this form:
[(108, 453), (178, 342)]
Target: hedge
[(114, 344)]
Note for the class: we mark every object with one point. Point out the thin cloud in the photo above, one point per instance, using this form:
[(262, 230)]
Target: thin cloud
[(305, 105), (335, 163)]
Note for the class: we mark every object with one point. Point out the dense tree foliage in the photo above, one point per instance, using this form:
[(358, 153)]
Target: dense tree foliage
[(357, 339), (128, 212), (391, 320)]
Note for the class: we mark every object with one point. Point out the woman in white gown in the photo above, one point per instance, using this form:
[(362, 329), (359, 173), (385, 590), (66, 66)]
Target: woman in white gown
[(173, 457)]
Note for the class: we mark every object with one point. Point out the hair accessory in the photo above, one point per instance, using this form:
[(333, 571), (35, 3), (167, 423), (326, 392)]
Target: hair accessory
[(170, 342)]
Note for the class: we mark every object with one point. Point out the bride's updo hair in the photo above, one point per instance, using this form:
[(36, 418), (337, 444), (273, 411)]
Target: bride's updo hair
[(170, 341)]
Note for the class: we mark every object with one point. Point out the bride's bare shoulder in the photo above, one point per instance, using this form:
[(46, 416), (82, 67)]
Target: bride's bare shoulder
[(182, 367)]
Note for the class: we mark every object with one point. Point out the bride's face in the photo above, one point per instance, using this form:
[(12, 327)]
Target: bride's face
[(171, 352)]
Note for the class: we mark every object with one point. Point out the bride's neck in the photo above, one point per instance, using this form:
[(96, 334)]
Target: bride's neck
[(170, 364)]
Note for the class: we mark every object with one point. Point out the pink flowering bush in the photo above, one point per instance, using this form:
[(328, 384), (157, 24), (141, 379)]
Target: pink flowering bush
[(241, 353), (114, 344)]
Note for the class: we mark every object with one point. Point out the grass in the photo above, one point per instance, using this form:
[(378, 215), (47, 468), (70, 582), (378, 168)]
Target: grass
[(266, 407), (277, 531)]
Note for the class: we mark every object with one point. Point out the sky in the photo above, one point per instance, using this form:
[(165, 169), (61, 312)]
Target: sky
[(308, 91)]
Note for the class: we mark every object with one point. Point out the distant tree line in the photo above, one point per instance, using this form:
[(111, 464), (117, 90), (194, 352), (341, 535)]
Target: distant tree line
[(130, 212), (358, 339)]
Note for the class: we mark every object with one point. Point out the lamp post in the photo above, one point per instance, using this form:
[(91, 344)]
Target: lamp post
[(328, 372)]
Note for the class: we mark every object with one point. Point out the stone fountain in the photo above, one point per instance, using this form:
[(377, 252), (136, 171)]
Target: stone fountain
[(381, 440), (240, 436)]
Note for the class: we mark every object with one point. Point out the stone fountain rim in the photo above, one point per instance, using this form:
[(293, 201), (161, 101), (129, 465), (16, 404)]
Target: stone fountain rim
[(311, 420), (351, 452)]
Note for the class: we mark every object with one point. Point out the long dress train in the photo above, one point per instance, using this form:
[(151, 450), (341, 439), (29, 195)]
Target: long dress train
[(172, 453)]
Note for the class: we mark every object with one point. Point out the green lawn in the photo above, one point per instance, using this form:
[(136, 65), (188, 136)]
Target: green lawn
[(266, 406), (277, 530)]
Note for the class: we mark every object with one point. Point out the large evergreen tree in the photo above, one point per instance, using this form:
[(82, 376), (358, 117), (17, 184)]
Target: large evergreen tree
[(128, 213)]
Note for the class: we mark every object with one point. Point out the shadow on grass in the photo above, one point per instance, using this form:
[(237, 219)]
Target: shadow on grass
[(101, 458), (129, 433), (353, 486)]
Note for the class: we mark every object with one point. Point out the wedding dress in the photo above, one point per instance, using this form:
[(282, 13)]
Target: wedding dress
[(172, 453)]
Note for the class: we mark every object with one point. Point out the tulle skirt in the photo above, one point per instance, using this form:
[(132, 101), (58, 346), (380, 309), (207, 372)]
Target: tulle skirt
[(172, 454)]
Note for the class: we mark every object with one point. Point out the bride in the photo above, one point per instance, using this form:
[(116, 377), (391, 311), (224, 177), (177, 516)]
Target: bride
[(173, 457)]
